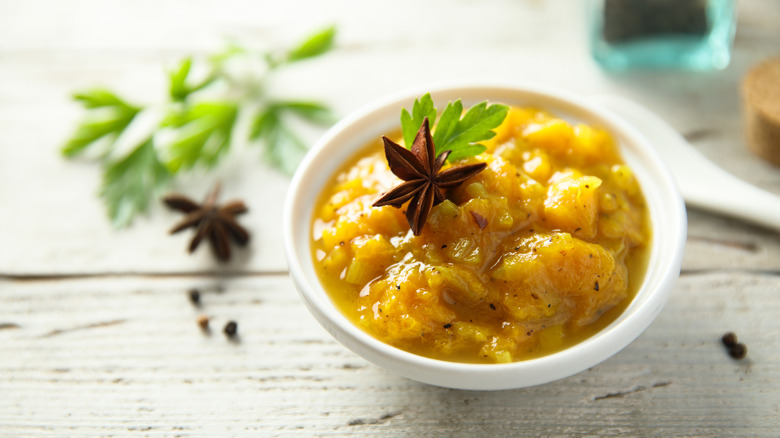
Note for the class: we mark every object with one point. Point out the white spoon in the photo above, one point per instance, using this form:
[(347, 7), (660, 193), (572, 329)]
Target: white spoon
[(702, 183)]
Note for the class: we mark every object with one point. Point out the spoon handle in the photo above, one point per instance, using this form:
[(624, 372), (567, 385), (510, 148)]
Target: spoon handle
[(702, 183)]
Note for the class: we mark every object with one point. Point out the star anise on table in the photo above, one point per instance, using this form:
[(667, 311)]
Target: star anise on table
[(217, 223), (419, 168)]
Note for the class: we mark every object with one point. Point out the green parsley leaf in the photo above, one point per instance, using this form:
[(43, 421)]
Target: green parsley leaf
[(410, 123), (447, 123), (109, 116), (194, 132), (287, 149), (203, 133), (265, 122), (283, 148), (179, 87), (457, 132), (313, 112), (128, 183), (315, 45), (98, 98), (475, 126), (178, 80)]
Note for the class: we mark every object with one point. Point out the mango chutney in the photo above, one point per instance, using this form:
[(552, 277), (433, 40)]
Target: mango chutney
[(536, 253)]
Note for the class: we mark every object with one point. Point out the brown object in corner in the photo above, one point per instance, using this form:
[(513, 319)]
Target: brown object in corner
[(761, 109)]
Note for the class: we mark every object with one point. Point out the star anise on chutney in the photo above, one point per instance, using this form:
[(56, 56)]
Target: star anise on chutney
[(423, 183), (217, 223)]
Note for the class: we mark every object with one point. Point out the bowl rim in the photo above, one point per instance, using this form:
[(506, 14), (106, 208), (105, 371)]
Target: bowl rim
[(635, 319)]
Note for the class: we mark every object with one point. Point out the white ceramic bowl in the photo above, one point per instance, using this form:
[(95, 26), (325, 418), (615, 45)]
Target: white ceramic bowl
[(667, 213)]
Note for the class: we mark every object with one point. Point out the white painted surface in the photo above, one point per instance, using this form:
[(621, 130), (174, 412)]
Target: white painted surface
[(97, 336)]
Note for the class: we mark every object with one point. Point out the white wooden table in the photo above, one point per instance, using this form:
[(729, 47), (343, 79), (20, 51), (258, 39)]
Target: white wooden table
[(97, 336)]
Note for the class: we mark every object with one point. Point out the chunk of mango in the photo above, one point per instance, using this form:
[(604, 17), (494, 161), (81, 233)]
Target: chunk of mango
[(572, 206)]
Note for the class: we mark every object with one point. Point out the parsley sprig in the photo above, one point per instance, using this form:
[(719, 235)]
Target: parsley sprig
[(197, 126), (455, 131)]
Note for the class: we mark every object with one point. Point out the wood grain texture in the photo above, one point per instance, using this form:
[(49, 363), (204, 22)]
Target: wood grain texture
[(119, 354), (97, 336)]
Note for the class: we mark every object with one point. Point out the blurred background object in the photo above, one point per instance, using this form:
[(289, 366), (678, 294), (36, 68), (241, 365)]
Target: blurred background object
[(761, 109), (689, 34)]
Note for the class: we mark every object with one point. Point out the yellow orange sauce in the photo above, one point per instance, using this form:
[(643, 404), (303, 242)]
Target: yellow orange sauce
[(536, 253)]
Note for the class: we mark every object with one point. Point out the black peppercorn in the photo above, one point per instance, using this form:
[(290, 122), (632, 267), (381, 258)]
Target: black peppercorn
[(194, 295), (231, 328), (738, 351), (729, 339)]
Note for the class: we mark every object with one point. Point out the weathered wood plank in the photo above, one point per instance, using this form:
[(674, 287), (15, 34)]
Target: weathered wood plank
[(111, 355)]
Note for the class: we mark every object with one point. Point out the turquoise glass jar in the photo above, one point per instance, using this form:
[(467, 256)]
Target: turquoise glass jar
[(684, 34)]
